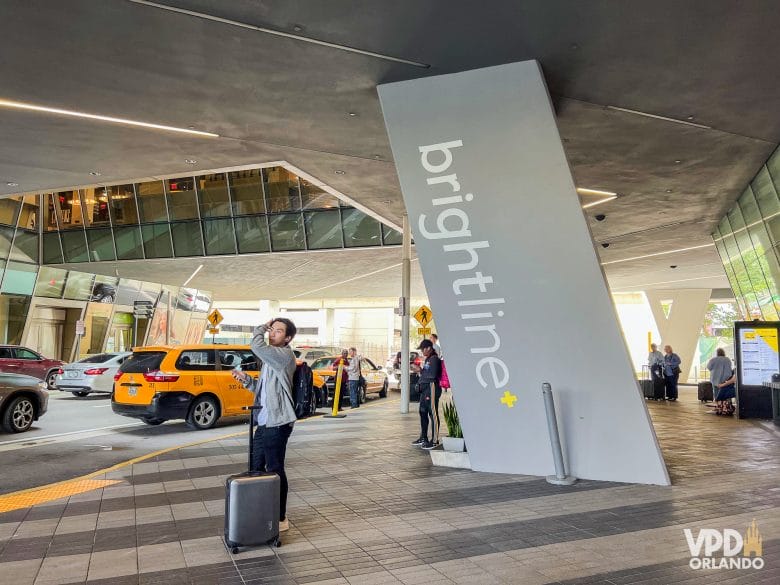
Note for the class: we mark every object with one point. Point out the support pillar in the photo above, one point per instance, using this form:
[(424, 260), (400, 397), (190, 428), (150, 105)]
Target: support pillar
[(406, 286)]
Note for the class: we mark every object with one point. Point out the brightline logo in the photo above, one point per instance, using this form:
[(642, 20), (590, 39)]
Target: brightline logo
[(452, 223), (731, 543)]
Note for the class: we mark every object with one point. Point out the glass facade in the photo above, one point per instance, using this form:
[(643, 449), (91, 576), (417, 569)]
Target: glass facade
[(748, 242)]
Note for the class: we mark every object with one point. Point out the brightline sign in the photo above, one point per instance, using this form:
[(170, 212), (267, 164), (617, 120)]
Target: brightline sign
[(513, 277)]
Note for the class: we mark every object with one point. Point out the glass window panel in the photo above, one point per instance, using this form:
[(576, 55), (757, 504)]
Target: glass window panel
[(765, 194), (724, 258), (220, 236), (28, 216), (323, 229), (13, 314), (246, 190), (252, 234), (773, 168), (281, 190), (391, 237), (97, 318), (748, 254), (6, 239), (9, 210), (359, 229), (213, 192), (78, 287), (182, 202), (68, 206), (19, 278), (104, 289), (181, 319), (151, 201), (123, 208), (50, 213), (157, 240), (150, 291), (286, 232), (25, 246), (203, 301), (740, 273), (52, 250), (755, 226), (50, 282), (314, 197), (127, 293), (101, 245), (128, 242), (187, 239), (74, 246), (95, 204)]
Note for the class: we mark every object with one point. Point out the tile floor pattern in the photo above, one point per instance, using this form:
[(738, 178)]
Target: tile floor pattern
[(367, 508)]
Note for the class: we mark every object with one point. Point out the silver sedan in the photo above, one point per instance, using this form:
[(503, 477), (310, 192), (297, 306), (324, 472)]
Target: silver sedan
[(94, 374)]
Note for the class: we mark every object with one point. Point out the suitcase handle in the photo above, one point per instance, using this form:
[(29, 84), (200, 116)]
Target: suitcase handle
[(251, 410)]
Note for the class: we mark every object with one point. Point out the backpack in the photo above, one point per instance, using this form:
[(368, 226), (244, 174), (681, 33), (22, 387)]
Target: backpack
[(302, 390)]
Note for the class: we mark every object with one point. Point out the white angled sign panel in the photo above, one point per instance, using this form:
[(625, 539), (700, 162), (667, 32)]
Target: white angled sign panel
[(513, 279)]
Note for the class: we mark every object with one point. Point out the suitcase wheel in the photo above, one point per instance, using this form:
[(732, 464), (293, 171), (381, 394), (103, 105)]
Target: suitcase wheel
[(275, 542), (234, 550)]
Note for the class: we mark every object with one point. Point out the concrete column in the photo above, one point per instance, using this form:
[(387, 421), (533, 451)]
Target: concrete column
[(681, 328), (327, 334), (406, 286)]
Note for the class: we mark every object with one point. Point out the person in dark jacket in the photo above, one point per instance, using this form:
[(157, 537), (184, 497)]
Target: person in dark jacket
[(672, 363), (430, 375)]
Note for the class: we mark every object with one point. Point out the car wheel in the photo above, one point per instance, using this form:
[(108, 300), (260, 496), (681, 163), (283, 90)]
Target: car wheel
[(153, 421), (362, 395), (80, 394), (383, 391), (19, 415), (51, 379), (204, 413)]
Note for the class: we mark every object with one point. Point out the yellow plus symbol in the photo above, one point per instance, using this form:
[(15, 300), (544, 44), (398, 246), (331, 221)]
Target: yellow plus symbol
[(509, 399)]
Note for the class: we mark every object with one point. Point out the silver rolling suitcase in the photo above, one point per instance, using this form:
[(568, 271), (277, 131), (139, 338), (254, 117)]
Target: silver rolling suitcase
[(251, 506)]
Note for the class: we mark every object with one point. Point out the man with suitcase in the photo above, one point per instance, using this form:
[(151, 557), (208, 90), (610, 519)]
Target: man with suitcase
[(273, 394)]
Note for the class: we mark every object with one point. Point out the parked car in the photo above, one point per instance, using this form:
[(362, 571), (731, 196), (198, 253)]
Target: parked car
[(94, 374), (103, 293), (414, 359), (310, 354), (373, 379), (190, 382), (15, 359), (23, 399)]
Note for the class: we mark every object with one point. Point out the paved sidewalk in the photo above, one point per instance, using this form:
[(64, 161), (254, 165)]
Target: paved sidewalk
[(367, 508)]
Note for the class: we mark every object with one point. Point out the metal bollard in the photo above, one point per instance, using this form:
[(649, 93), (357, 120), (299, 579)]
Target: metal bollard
[(560, 477)]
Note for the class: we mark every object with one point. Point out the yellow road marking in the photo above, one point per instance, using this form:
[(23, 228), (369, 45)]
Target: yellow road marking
[(70, 487)]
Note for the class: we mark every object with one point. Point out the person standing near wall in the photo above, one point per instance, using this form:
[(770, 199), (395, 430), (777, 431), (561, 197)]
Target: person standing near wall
[(672, 372), (430, 392)]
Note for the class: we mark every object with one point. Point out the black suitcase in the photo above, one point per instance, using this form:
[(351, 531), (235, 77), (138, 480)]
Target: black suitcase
[(652, 387), (251, 505), (705, 392)]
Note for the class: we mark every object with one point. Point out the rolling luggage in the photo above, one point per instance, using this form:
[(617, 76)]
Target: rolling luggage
[(251, 505), (652, 386), (705, 392)]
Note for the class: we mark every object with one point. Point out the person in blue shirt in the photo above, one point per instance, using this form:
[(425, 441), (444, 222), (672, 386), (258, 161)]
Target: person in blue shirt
[(672, 363)]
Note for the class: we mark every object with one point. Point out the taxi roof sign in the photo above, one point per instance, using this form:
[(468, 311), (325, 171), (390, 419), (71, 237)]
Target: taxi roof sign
[(424, 315), (215, 317)]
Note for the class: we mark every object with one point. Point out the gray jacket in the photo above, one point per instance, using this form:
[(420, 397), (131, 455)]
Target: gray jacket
[(276, 378)]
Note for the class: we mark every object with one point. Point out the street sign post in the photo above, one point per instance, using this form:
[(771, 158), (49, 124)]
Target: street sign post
[(215, 317), (423, 331), (424, 315)]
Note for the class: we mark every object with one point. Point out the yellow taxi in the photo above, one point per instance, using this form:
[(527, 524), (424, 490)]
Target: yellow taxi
[(190, 382), (373, 379)]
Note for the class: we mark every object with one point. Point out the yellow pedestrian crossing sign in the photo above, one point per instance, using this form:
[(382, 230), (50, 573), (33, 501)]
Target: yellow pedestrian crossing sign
[(424, 315), (215, 317)]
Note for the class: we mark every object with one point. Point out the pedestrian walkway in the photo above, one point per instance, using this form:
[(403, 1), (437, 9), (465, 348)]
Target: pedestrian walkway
[(366, 508)]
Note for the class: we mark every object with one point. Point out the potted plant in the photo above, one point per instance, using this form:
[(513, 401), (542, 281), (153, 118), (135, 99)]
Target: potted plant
[(454, 442)]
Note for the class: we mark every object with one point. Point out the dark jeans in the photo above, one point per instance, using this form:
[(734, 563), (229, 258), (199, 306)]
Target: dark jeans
[(354, 397), (671, 386), (427, 413), (269, 449)]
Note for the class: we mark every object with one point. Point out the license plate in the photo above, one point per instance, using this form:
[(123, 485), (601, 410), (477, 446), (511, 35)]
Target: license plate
[(132, 391), (71, 374)]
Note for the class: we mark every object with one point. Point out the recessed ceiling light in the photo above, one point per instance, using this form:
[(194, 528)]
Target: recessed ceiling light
[(113, 120), (340, 172), (11, 184), (668, 190), (673, 266), (190, 161), (298, 28), (691, 117), (352, 114), (376, 156), (677, 161), (94, 173)]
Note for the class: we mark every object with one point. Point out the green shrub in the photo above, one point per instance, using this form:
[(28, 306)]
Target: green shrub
[(452, 421)]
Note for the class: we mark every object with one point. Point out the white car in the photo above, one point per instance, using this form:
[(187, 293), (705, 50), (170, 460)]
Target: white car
[(94, 374), (312, 354)]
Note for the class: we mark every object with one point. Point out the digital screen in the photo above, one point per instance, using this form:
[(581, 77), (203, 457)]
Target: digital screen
[(759, 357)]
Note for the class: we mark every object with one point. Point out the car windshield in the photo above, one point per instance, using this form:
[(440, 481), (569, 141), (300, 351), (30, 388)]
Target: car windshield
[(98, 359), (323, 364), (143, 361)]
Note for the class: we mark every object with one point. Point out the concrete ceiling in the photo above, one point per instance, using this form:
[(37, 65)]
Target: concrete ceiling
[(712, 62)]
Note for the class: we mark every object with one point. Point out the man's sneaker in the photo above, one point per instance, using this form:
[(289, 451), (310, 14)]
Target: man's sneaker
[(284, 525), (419, 441), (427, 445)]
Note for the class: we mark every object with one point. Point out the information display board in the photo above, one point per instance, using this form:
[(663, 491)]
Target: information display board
[(758, 354)]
